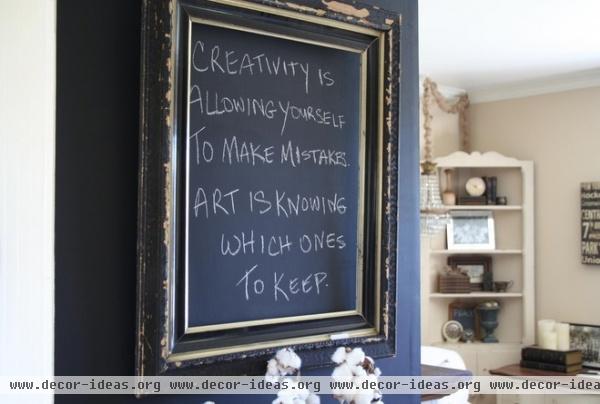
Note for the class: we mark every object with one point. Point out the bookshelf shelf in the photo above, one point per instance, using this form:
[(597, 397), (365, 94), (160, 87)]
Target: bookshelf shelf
[(475, 295), (484, 207), (477, 345), (470, 252)]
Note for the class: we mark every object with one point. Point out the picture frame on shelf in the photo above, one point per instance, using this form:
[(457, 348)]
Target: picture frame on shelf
[(477, 267), (586, 338), (471, 230), (466, 314)]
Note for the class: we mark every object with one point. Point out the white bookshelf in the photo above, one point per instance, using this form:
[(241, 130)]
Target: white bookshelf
[(513, 259), (474, 295), (483, 207), (481, 252)]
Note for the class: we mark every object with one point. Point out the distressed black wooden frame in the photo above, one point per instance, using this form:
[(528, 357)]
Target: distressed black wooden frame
[(160, 349)]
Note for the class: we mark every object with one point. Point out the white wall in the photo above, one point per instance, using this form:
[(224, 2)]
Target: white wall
[(27, 111)]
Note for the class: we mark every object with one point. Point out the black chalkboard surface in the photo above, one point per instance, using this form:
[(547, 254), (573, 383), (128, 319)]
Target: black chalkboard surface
[(273, 157)]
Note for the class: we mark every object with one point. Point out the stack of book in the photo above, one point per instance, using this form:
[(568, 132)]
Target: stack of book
[(533, 357)]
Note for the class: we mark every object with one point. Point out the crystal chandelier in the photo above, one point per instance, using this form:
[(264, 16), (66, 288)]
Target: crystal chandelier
[(434, 217)]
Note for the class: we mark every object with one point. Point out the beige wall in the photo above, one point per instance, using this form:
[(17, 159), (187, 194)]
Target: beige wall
[(561, 133)]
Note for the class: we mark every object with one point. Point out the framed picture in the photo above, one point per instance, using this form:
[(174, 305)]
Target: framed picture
[(471, 230), (586, 338), (476, 267), (466, 314), (590, 223), (251, 235)]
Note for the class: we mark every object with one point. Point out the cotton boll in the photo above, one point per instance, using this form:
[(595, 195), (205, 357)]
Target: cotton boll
[(302, 394), (286, 396), (355, 357), (372, 379), (292, 395), (313, 399), (344, 398), (358, 384), (363, 398), (369, 364), (342, 372), (339, 355), (271, 378), (292, 386), (355, 366), (272, 368), (273, 372), (288, 358), (292, 389), (287, 362), (358, 371)]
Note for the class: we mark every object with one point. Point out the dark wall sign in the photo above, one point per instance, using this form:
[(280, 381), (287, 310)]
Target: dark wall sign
[(590, 223), (267, 218)]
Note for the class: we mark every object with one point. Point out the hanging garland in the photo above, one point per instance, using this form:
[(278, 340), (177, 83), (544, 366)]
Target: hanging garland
[(430, 90)]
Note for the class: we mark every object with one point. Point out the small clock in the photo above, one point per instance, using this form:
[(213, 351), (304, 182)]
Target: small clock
[(475, 186)]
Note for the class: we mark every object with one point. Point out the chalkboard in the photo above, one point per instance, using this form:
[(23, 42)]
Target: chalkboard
[(590, 223), (273, 178), (268, 170)]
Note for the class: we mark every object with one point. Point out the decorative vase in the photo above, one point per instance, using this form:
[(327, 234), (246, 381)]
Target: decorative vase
[(488, 320)]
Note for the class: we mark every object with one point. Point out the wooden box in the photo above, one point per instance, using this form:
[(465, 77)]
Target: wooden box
[(454, 283)]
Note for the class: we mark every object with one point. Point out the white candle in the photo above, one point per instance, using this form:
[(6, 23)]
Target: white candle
[(563, 340), (549, 340), (544, 327)]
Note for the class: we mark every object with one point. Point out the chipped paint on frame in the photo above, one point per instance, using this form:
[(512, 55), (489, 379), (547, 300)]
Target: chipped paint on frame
[(348, 9), (299, 7)]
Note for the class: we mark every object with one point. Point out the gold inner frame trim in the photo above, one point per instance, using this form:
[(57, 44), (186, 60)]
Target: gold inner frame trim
[(179, 357), (360, 221), (278, 320)]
